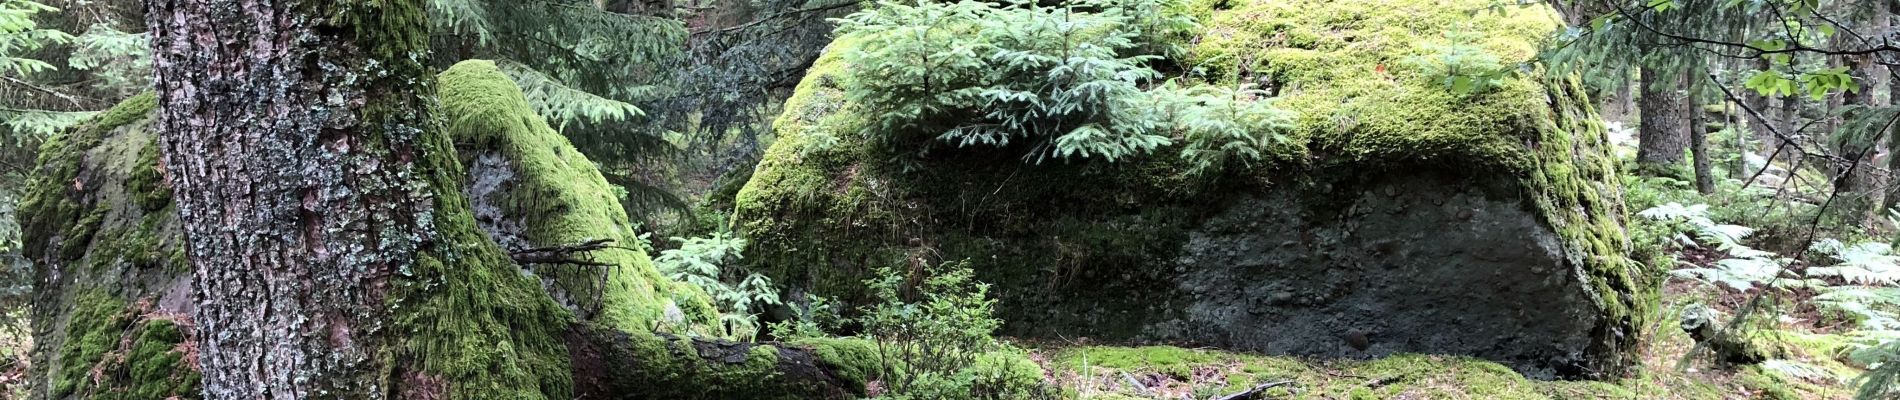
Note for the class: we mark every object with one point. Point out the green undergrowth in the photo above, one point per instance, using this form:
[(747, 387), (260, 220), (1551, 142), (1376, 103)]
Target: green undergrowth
[(829, 203)]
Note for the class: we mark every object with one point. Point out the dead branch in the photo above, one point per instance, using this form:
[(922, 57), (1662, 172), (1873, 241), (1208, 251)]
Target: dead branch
[(1256, 389), (564, 254)]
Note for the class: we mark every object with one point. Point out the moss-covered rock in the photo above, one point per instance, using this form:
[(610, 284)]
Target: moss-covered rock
[(531, 189), (1406, 217), (110, 276)]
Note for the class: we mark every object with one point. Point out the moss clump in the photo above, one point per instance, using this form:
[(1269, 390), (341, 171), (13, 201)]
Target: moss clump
[(1342, 67), (59, 221), (557, 197), (95, 222), (662, 366), (93, 329), (111, 351), (854, 360), (153, 365), (157, 364), (146, 185)]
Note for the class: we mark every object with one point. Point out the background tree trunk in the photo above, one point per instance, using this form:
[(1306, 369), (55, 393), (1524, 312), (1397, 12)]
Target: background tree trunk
[(1860, 179), (289, 129), (1665, 109), (1699, 147), (1763, 104)]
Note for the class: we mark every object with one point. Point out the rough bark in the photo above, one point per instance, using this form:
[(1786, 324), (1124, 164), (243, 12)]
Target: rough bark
[(291, 130), (1665, 110), (113, 300)]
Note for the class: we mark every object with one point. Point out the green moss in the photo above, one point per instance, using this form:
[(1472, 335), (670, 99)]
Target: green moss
[(146, 184), (1341, 66), (131, 110), (682, 368), (93, 329), (1769, 386), (109, 351), (465, 311), (560, 198), (59, 216), (154, 365), (1174, 361), (854, 360), (1099, 371), (96, 215)]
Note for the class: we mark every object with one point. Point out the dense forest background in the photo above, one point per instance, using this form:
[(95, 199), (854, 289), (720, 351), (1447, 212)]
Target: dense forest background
[(1754, 148)]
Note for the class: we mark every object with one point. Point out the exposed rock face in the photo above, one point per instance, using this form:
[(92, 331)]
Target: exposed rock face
[(1415, 262), (1406, 218)]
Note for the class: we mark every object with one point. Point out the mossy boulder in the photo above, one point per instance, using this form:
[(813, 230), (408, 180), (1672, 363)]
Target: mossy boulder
[(1405, 216), (531, 189), (110, 280)]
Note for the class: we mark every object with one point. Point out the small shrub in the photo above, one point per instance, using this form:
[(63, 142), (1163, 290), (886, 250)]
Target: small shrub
[(1221, 126), (705, 262), (1460, 64), (976, 73), (933, 328), (816, 318)]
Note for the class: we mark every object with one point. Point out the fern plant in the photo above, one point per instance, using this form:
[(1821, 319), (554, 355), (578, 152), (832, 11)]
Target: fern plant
[(1866, 263), (1742, 269), (1695, 221), (122, 61), (20, 35)]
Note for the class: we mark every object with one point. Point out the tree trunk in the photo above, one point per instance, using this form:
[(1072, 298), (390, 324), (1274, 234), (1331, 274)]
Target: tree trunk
[(1663, 136), (291, 130), (1617, 104), (1699, 147), (1861, 180), (1789, 121)]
